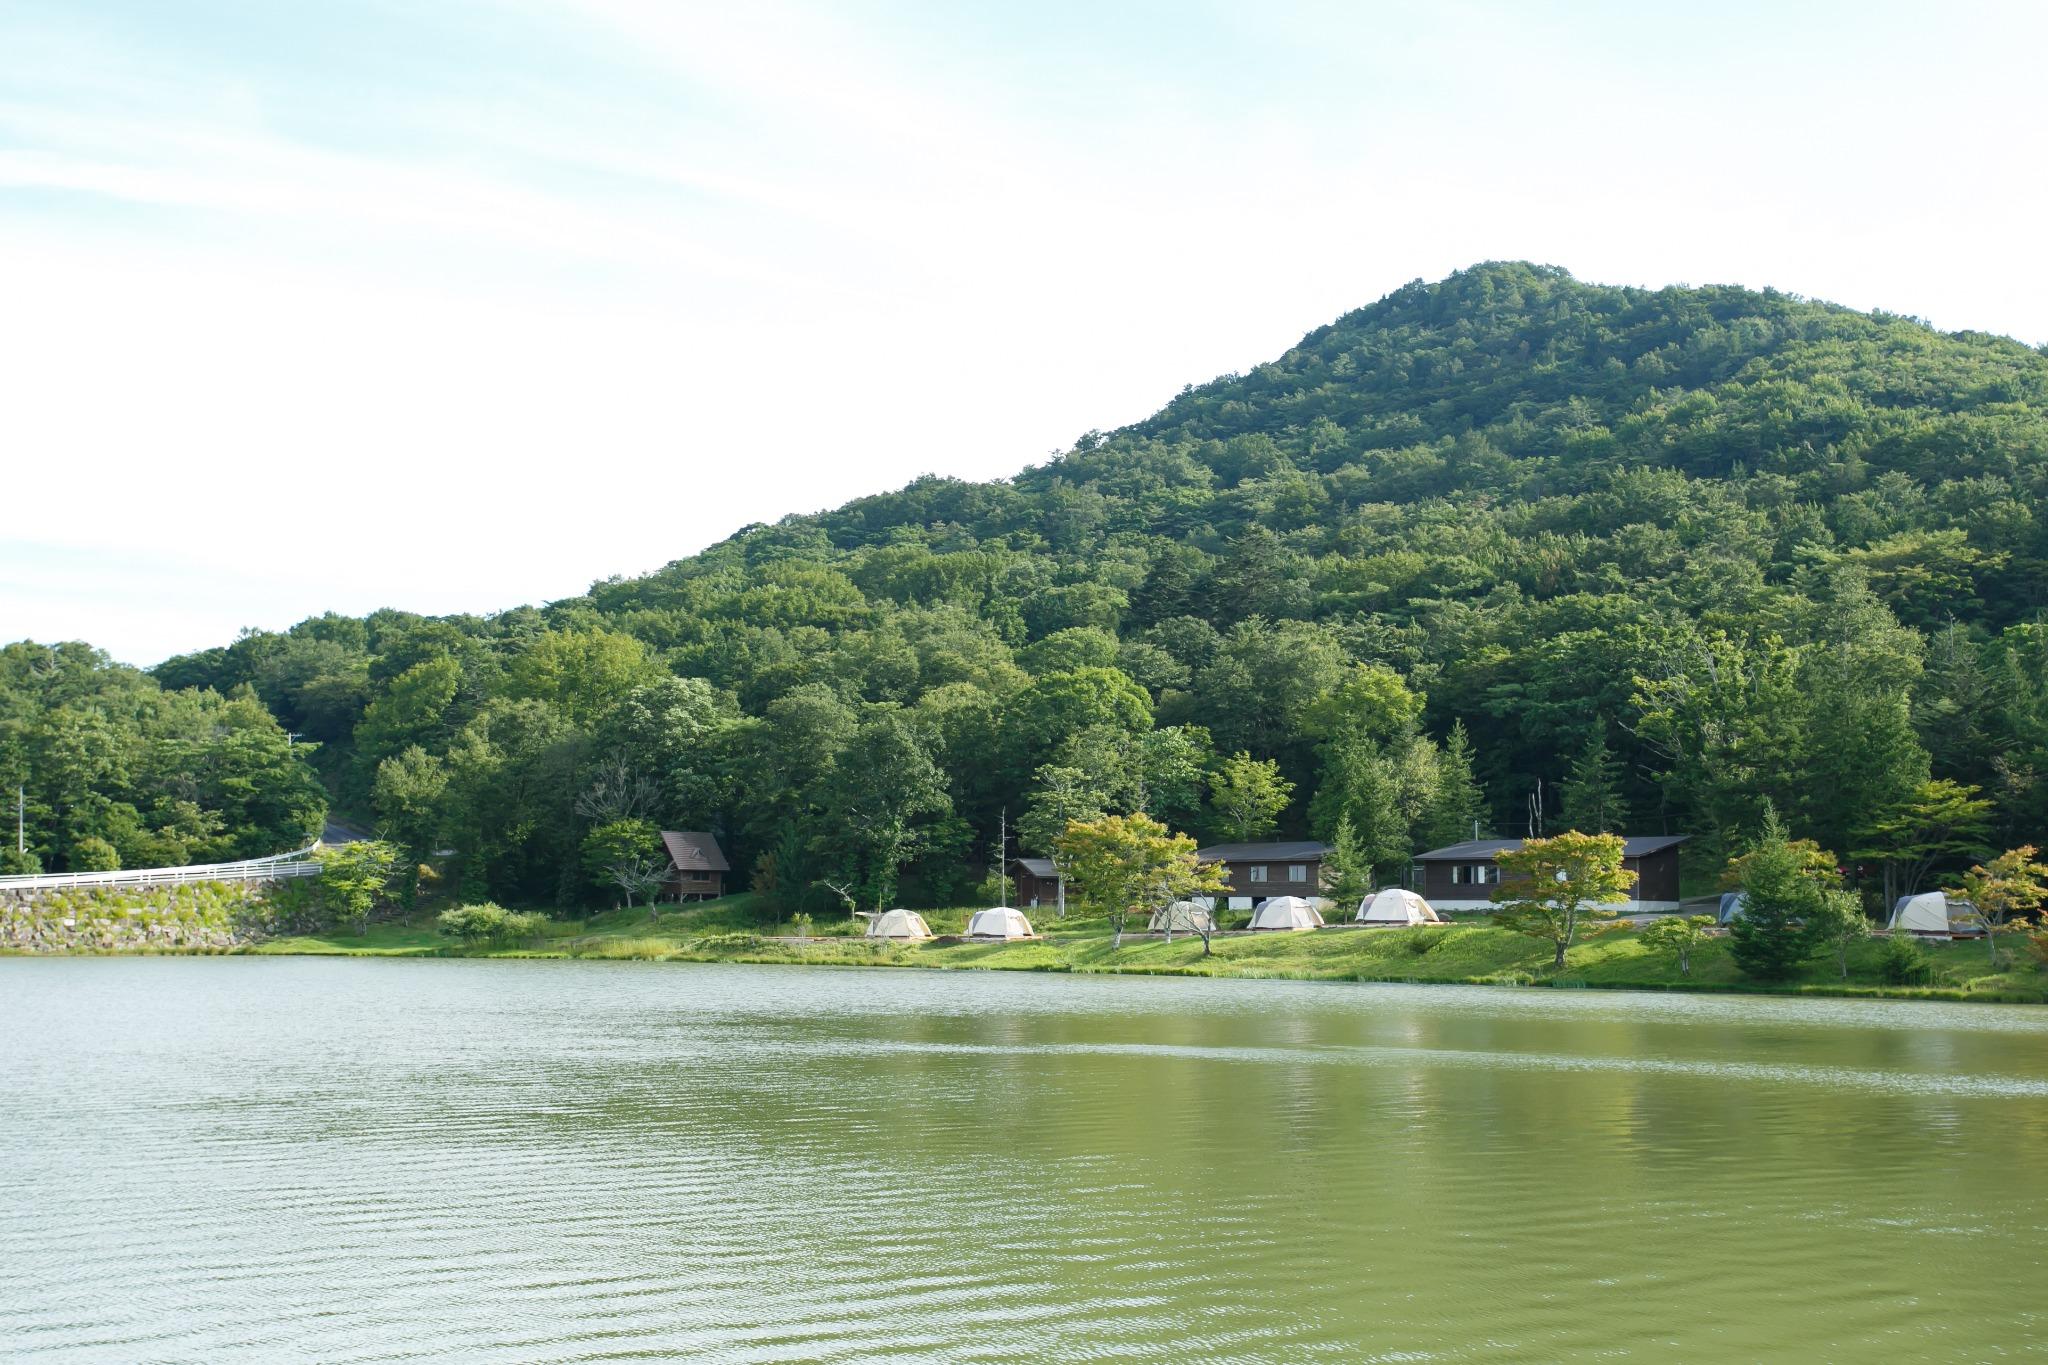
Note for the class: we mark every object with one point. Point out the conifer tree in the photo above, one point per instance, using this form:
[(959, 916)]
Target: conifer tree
[(1459, 804), (1592, 800)]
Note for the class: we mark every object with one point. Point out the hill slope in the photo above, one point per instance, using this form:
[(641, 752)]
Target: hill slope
[(1693, 548)]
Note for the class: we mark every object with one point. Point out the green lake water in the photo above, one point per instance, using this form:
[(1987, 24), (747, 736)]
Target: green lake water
[(248, 1159)]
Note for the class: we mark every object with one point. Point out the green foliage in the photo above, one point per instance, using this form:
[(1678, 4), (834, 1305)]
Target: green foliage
[(1901, 961), (1247, 795), (1679, 935), (1347, 871), (355, 879), (488, 923), (1783, 552), (1456, 809), (1591, 796), (2012, 884), (1123, 865), (94, 854), (1934, 822), (1785, 892), (1837, 924), (1551, 887), (117, 771), (626, 854), (886, 803)]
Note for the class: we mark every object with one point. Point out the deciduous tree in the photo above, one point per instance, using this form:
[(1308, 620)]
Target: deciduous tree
[(1247, 795), (1550, 887), (1121, 865)]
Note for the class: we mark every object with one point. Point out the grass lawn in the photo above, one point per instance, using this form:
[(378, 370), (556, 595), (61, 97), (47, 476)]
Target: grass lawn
[(738, 929)]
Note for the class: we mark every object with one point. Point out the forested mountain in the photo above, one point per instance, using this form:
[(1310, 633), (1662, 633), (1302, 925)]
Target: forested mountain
[(1660, 556)]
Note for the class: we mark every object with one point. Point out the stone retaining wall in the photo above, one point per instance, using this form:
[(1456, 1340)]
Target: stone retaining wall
[(199, 917)]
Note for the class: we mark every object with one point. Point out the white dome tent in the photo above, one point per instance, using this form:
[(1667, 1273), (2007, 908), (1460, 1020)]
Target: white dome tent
[(1396, 905), (1286, 912), (904, 925), (1935, 915), (1183, 917), (1001, 922)]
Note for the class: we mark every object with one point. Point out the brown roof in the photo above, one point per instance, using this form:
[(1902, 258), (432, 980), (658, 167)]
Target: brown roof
[(694, 851), (1475, 850), (1293, 851)]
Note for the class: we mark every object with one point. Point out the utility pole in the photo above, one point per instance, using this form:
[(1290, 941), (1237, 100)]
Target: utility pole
[(21, 820), (1003, 858)]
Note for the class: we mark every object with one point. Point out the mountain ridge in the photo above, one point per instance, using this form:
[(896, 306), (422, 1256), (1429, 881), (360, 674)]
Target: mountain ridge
[(1500, 534)]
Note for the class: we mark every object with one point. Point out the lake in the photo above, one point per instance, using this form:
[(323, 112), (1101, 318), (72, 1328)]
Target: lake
[(242, 1159)]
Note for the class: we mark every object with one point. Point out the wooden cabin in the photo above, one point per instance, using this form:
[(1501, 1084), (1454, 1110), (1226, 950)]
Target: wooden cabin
[(1036, 880), (696, 866), (1262, 870), (1464, 876)]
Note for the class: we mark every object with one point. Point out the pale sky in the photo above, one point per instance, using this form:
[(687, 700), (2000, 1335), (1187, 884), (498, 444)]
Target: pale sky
[(452, 305)]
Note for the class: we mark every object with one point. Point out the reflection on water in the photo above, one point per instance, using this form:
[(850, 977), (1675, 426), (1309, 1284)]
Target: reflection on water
[(253, 1159)]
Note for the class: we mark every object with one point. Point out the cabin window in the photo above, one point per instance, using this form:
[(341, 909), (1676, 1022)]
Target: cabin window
[(1474, 874), (1297, 872), (1258, 872)]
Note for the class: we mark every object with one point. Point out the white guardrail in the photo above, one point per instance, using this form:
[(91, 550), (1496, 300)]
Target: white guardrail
[(277, 867)]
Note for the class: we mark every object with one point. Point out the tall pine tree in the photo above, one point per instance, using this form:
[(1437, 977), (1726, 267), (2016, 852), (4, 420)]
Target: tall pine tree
[(1591, 797)]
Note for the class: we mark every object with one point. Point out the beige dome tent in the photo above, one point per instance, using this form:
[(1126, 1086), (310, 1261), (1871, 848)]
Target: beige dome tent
[(1286, 912), (1001, 922), (1936, 915), (1396, 905), (898, 924), (1183, 917)]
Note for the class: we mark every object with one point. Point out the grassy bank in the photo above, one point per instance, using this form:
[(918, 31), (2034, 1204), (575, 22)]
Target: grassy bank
[(1474, 953)]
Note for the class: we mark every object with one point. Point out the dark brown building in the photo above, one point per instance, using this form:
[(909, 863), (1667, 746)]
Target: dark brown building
[(696, 865), (1259, 871), (1463, 876), (1036, 881)]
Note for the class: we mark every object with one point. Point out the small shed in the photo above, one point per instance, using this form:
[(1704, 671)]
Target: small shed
[(1286, 912), (1183, 917), (902, 925), (1037, 881), (1934, 914), (1396, 905), (1001, 922)]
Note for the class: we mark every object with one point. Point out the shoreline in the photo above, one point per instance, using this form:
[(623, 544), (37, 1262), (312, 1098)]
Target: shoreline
[(1072, 955), (743, 928)]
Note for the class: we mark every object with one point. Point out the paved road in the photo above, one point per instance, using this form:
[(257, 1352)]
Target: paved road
[(336, 832)]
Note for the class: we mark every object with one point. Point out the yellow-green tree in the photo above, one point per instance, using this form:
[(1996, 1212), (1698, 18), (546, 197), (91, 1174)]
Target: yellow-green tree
[(1121, 864), (1549, 887), (2012, 884), (1681, 935)]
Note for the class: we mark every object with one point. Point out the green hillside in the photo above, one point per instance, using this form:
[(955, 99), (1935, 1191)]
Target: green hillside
[(1659, 556)]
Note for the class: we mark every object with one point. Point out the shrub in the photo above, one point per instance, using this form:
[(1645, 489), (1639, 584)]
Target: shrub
[(1420, 941), (1903, 962), (94, 854), (488, 923)]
